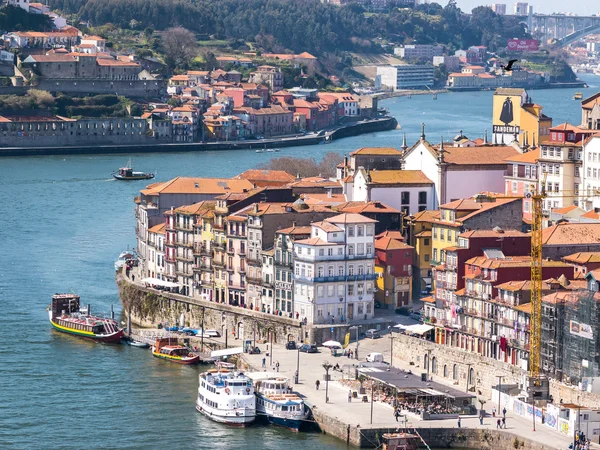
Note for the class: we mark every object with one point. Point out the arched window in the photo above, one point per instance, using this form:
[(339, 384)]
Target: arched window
[(445, 371), (471, 377), (455, 372), (426, 362), (434, 365)]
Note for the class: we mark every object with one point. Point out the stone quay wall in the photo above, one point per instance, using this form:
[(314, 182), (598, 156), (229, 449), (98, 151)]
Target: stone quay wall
[(81, 86), (149, 307), (416, 350)]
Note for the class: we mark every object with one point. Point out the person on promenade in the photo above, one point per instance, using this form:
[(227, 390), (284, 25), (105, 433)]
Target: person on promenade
[(264, 363), (504, 423), (504, 411), (481, 418), (277, 366), (350, 396), (498, 424), (494, 411), (458, 421), (317, 384), (397, 413)]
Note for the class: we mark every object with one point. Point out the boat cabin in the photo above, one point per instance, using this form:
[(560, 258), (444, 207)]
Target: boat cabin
[(126, 172), (64, 304), (174, 350), (400, 441)]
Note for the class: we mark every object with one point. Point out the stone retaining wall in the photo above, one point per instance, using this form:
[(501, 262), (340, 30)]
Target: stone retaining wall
[(415, 350)]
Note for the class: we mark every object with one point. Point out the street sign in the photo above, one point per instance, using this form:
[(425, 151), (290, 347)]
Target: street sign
[(332, 329)]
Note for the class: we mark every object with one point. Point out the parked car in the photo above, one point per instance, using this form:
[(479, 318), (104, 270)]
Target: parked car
[(372, 334), (403, 310), (375, 357), (415, 315), (309, 348), (290, 345)]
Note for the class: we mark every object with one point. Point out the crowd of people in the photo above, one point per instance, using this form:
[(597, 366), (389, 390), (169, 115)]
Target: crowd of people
[(581, 442)]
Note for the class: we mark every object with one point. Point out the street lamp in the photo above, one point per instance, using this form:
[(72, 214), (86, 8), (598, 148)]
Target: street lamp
[(327, 367), (499, 392), (297, 377), (391, 347)]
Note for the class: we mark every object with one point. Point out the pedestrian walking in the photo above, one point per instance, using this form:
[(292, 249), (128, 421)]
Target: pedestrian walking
[(317, 384), (498, 424), (350, 396), (458, 421), (264, 363), (396, 413), (504, 422), (481, 419), (494, 411), (277, 366), (504, 412)]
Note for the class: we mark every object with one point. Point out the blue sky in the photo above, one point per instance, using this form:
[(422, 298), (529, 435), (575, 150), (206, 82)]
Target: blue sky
[(582, 7)]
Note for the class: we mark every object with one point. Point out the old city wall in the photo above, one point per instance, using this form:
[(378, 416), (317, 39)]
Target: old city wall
[(129, 88), (149, 307), (414, 350)]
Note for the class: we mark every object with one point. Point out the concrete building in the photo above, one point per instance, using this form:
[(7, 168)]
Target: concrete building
[(589, 189), (409, 76), (334, 271), (470, 214), (452, 63), (499, 8), (419, 235), (82, 65), (566, 238), (520, 9), (284, 268), (268, 75), (424, 52), (522, 178), (408, 191), (448, 166), (155, 258), (393, 263), (590, 112)]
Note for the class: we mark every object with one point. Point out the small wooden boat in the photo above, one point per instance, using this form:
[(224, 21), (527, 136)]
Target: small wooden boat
[(138, 344), (260, 150), (67, 316), (128, 174), (578, 96), (176, 353), (401, 441)]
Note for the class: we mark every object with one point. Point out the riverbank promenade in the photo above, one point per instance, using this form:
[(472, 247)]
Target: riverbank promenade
[(358, 413)]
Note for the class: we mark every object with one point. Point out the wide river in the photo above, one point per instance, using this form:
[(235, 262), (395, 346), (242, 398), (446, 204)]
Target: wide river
[(63, 221)]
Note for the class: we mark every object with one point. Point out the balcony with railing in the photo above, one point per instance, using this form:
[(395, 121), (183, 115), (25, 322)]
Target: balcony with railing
[(170, 259), (189, 226), (218, 227), (220, 246), (242, 269), (184, 257), (218, 263), (254, 280), (184, 243), (239, 285), (311, 257), (230, 268), (231, 251)]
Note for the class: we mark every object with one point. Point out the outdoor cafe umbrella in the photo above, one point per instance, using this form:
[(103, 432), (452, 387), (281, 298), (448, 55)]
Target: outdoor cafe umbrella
[(331, 344)]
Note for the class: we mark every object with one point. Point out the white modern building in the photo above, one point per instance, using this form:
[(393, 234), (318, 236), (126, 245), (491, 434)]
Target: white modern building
[(408, 76), (591, 175), (419, 51), (334, 272), (409, 191), (155, 259)]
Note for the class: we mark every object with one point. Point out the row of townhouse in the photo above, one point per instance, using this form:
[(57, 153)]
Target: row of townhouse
[(262, 249), (570, 162), (481, 301)]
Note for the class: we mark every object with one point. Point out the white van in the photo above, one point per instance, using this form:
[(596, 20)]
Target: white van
[(375, 357)]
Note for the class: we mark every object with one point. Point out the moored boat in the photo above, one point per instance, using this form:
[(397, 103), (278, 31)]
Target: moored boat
[(122, 259), (401, 441), (138, 344), (226, 397), (128, 174), (276, 402), (164, 349), (67, 316), (578, 96)]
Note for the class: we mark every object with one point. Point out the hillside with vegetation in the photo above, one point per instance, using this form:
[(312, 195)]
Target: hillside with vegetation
[(14, 18), (309, 25)]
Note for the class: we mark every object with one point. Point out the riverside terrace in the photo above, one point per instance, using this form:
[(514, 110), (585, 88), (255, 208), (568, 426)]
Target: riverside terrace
[(415, 394)]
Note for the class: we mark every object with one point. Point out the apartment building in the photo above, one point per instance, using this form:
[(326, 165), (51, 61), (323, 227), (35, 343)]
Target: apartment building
[(408, 76), (393, 264), (589, 189), (334, 271), (156, 252), (522, 178)]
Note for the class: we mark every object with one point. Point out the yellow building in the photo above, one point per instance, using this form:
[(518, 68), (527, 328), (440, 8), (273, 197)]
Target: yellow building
[(419, 234), (514, 114)]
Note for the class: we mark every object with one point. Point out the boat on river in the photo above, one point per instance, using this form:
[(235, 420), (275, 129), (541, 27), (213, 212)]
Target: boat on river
[(226, 397), (401, 441), (122, 259), (67, 316), (276, 402), (128, 174), (578, 96), (164, 349)]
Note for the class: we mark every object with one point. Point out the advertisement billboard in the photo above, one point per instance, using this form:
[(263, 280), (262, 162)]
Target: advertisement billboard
[(581, 329), (522, 45)]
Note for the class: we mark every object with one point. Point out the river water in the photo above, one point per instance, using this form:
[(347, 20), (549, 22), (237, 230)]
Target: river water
[(64, 221)]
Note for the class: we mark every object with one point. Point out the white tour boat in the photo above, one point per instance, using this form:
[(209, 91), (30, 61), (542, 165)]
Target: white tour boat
[(276, 402), (226, 397)]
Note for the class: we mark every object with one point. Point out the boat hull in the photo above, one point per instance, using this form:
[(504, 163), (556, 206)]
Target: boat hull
[(114, 338), (133, 178), (231, 420), (290, 424), (176, 359)]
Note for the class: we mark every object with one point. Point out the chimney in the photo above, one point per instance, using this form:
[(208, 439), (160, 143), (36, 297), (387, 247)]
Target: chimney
[(422, 131), (329, 194), (485, 139), (404, 146), (256, 208)]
